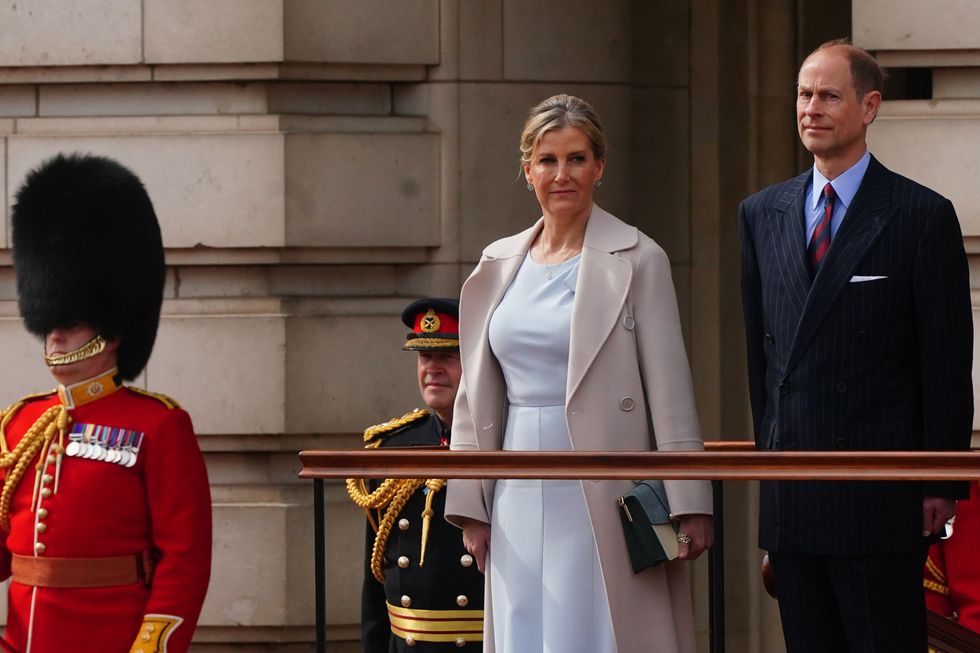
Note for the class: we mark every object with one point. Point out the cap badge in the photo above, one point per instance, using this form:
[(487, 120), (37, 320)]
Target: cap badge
[(430, 323)]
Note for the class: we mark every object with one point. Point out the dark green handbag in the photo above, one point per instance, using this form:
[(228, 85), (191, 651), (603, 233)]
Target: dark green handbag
[(651, 536)]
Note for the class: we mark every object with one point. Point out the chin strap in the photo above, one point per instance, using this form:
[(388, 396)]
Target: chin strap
[(93, 347)]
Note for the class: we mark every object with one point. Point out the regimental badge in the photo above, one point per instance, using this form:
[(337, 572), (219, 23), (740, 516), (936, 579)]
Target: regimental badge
[(104, 443), (430, 322)]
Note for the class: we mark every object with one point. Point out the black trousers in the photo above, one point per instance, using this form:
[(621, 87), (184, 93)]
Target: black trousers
[(851, 604)]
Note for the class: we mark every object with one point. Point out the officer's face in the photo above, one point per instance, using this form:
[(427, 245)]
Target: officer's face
[(439, 373), (63, 340)]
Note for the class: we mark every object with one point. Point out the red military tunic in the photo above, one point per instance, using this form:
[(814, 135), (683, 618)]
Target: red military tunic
[(101, 508), (952, 574)]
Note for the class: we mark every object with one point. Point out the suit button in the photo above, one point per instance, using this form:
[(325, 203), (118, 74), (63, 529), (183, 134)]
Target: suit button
[(466, 560), (460, 642), (864, 335), (769, 339), (841, 443), (784, 388), (626, 403), (409, 641), (403, 562), (462, 601), (403, 524), (39, 548), (841, 387), (406, 601)]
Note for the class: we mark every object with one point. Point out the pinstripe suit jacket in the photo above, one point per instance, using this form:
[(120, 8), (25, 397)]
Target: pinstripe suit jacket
[(844, 364)]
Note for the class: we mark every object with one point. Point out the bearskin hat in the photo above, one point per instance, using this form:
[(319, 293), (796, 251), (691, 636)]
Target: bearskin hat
[(87, 248)]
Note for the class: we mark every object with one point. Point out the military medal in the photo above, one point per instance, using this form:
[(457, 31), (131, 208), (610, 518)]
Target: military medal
[(75, 440)]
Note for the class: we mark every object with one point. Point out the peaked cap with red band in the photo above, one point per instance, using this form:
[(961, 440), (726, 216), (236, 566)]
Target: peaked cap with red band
[(434, 325)]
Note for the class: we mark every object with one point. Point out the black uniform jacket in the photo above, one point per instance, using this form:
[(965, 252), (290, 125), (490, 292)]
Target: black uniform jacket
[(874, 354), (445, 580)]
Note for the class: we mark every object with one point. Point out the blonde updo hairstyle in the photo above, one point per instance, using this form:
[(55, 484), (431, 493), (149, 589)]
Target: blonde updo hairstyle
[(557, 112)]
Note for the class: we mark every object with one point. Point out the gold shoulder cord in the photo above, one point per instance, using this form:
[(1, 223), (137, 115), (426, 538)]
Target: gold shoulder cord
[(38, 439), (391, 495)]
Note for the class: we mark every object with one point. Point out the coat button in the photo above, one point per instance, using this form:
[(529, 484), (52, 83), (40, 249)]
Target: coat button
[(47, 478), (841, 443), (769, 339), (784, 388), (39, 548), (406, 601), (460, 642), (41, 527), (409, 641), (46, 492), (864, 335), (466, 560), (462, 601), (629, 322), (841, 387), (403, 524), (403, 562), (42, 513), (626, 403)]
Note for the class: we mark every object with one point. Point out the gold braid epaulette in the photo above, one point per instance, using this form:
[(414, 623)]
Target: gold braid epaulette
[(392, 494), (163, 399), (372, 432), (39, 439)]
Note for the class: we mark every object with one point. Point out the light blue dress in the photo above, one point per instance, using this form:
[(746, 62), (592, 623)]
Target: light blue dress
[(546, 583)]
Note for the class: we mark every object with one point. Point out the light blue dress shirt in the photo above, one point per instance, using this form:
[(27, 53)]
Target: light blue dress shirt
[(845, 186)]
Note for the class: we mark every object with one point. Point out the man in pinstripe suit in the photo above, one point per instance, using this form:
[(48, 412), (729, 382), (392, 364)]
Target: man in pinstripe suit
[(856, 297)]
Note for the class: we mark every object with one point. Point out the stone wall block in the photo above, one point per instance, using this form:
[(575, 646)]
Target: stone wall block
[(661, 32), (331, 99), (17, 101), (228, 371), (334, 386), (218, 190), (21, 352), (351, 31), (70, 33), (216, 31), (362, 190), (914, 25), (150, 99), (570, 40), (494, 200)]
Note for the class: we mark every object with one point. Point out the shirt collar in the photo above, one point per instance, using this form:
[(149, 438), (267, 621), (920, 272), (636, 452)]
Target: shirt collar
[(845, 185), (83, 392)]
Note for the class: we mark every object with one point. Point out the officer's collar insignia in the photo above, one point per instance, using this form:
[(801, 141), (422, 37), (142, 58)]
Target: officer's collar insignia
[(83, 392), (431, 322)]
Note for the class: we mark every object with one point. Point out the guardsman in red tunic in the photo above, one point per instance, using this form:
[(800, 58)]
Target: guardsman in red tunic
[(422, 590), (105, 511), (952, 573)]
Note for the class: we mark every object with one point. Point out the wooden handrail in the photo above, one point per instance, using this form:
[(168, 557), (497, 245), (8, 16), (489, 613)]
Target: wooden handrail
[(719, 462)]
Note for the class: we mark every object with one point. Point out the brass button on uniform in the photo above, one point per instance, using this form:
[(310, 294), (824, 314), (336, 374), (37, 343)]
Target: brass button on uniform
[(466, 560), (39, 548), (42, 513), (51, 459), (47, 478), (406, 601), (46, 492), (409, 641), (460, 642), (150, 628), (626, 404), (41, 527), (403, 524), (403, 562), (462, 601)]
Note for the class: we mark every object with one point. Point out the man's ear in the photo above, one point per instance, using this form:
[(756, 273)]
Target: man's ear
[(871, 103), (113, 344)]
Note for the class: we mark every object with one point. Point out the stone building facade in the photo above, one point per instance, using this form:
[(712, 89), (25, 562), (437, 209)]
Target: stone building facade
[(316, 164)]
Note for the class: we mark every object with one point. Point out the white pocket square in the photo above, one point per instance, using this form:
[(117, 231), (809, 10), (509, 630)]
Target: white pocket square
[(857, 278)]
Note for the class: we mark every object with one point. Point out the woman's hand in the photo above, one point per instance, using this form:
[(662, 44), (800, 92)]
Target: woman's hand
[(476, 539), (698, 529)]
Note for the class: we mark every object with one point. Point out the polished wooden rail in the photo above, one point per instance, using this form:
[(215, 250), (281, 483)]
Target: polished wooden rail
[(720, 461)]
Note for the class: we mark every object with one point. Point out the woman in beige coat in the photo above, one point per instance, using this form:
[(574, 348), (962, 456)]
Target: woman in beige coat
[(570, 339)]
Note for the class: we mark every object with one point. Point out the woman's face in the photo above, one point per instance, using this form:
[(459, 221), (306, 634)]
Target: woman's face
[(563, 171)]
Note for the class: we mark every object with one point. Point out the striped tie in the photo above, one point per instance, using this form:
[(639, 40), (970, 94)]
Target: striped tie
[(820, 241)]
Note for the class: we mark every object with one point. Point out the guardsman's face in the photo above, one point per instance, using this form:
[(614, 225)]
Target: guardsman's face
[(439, 374), (63, 340)]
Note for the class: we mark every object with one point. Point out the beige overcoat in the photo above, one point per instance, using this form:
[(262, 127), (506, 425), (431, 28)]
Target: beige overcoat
[(624, 322)]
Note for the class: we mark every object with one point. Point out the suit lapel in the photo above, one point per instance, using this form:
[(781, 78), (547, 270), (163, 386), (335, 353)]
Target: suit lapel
[(600, 293), (863, 223), (789, 242)]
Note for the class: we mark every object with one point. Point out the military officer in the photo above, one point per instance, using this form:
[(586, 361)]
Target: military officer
[(105, 511), (952, 572), (422, 590)]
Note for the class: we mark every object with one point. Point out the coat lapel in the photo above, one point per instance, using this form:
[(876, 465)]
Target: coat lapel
[(789, 242), (600, 293), (863, 223)]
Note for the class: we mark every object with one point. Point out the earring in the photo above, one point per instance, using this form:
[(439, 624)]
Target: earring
[(598, 182), (529, 186)]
